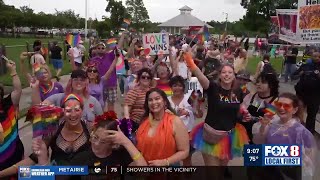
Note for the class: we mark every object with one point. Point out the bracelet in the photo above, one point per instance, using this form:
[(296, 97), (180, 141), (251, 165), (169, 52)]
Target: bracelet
[(137, 156), (14, 75), (16, 167), (168, 164), (44, 164)]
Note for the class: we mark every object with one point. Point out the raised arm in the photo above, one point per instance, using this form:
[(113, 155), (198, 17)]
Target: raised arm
[(17, 90), (196, 71), (130, 53), (112, 68), (121, 40)]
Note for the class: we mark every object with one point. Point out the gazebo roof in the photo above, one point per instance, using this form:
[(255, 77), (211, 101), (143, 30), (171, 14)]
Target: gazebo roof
[(186, 8), (184, 19)]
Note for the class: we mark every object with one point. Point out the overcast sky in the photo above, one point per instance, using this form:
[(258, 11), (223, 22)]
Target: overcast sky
[(159, 10)]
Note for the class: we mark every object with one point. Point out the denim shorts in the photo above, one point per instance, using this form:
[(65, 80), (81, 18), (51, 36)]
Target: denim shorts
[(57, 63)]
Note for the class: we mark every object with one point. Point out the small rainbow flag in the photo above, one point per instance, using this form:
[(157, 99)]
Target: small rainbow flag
[(37, 70), (204, 34), (112, 42), (270, 109), (45, 119), (73, 40), (127, 21), (244, 88)]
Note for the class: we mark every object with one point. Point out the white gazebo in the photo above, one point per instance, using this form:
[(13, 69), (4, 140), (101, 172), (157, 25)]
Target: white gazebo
[(182, 22)]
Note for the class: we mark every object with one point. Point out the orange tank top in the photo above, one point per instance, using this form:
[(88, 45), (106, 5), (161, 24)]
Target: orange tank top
[(162, 144)]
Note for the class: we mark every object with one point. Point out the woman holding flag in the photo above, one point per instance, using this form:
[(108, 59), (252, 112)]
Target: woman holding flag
[(267, 92)]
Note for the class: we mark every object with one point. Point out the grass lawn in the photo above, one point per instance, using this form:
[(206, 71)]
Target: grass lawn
[(253, 62), (14, 46)]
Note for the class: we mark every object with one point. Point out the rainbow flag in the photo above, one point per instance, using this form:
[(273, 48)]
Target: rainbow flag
[(10, 132), (204, 34), (37, 70), (165, 87), (73, 40), (244, 88), (270, 109), (112, 42), (125, 24), (127, 21), (44, 119)]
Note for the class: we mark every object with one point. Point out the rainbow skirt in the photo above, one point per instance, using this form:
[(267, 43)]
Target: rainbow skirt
[(228, 147)]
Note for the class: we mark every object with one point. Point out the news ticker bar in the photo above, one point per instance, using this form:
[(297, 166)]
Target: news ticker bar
[(41, 171)]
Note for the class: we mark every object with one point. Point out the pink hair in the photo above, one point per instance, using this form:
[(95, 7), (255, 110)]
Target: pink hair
[(85, 91)]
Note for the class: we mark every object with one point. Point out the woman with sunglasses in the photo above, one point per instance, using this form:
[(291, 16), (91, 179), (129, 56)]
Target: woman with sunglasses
[(285, 128), (78, 84), (267, 92), (134, 100), (71, 138), (221, 137), (96, 81)]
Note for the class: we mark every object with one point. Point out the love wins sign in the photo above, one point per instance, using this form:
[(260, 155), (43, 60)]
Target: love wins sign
[(158, 43)]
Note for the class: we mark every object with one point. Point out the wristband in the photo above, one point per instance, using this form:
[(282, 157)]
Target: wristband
[(137, 156), (190, 63)]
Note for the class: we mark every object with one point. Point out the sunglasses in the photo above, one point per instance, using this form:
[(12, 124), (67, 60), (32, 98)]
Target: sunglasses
[(100, 48), (146, 77), (92, 70), (285, 106)]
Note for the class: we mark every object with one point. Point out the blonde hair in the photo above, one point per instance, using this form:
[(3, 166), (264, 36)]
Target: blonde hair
[(85, 92)]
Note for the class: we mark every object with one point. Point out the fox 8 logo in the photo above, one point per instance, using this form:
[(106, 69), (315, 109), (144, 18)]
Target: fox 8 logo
[(284, 151)]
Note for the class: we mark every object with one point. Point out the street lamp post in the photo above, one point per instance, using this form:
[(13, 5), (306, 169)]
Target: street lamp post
[(226, 28), (86, 21)]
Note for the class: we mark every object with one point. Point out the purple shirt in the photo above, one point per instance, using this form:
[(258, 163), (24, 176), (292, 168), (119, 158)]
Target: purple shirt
[(96, 90), (57, 88), (104, 64)]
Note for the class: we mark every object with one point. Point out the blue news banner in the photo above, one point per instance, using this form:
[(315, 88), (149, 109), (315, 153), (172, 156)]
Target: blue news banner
[(272, 155), (49, 172)]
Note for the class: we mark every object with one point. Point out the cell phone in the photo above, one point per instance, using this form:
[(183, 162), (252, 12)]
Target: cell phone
[(116, 52)]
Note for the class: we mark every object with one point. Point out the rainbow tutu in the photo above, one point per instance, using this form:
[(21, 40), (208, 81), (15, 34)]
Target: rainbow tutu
[(227, 148)]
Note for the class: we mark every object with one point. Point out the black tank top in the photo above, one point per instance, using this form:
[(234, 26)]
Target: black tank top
[(256, 111)]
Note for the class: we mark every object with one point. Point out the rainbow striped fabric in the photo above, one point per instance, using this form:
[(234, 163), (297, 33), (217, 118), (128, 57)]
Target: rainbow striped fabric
[(45, 119), (204, 34), (165, 87), (73, 40), (10, 129), (270, 109), (112, 42), (126, 23)]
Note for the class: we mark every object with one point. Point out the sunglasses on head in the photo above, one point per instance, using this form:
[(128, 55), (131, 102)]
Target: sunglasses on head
[(92, 70), (145, 77), (285, 106)]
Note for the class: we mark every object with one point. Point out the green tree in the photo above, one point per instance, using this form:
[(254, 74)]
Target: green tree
[(138, 12), (259, 12), (118, 13)]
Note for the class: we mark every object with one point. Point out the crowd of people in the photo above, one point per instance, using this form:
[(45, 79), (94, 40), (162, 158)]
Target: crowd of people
[(164, 118)]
